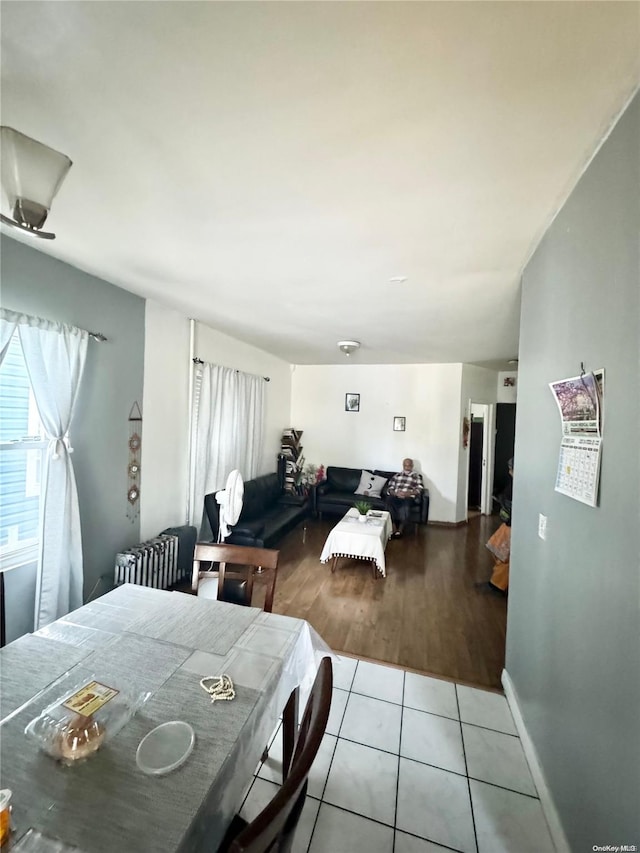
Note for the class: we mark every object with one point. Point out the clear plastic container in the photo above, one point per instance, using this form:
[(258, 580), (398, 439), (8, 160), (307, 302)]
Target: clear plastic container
[(77, 724), (35, 842), (165, 748)]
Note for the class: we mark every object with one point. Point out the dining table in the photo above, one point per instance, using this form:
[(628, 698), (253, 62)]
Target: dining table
[(157, 646)]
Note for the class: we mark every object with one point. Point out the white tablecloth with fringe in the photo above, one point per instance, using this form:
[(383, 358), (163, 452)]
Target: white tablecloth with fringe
[(359, 540)]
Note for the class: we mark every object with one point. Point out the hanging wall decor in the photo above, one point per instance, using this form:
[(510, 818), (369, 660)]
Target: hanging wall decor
[(352, 402), (133, 468)]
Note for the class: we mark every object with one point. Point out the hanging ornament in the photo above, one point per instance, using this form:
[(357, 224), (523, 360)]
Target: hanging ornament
[(133, 468)]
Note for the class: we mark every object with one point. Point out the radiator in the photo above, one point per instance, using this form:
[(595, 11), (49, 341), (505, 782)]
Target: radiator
[(153, 563)]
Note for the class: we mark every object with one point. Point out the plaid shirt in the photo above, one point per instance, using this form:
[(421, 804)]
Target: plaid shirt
[(405, 481)]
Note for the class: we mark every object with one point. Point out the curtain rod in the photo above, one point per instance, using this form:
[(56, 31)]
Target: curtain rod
[(200, 361), (13, 317)]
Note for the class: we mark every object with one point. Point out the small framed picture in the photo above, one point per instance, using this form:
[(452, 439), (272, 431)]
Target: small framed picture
[(352, 402), (399, 424)]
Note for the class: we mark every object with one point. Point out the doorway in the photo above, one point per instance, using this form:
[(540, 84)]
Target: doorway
[(476, 447), (505, 442), (480, 458)]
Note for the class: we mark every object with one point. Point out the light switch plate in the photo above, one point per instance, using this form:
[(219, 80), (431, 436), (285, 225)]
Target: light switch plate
[(542, 526)]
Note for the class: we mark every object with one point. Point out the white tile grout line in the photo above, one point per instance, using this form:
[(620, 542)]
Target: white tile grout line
[(413, 835), (394, 829), (454, 772), (353, 677), (433, 713), (321, 798), (466, 766), (395, 812)]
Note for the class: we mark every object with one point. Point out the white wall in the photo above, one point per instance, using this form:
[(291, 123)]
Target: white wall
[(427, 395), (217, 348), (478, 385), (165, 420), (165, 444), (507, 393)]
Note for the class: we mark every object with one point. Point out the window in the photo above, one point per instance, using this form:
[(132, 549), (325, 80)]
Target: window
[(22, 448)]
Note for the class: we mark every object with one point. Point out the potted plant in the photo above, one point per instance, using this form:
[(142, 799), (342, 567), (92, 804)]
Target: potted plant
[(363, 508)]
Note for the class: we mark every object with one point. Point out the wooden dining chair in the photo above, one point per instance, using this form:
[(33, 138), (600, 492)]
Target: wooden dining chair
[(233, 585), (273, 829)]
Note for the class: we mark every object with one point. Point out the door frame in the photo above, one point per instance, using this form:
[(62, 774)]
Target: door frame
[(488, 457)]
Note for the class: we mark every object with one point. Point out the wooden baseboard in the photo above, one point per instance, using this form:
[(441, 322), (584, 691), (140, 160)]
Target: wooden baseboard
[(449, 524), (546, 800)]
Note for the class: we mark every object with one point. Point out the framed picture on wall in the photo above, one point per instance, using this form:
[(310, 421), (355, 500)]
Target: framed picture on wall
[(352, 402), (399, 424)]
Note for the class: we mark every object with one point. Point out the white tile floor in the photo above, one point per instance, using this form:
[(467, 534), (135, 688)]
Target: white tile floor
[(412, 764)]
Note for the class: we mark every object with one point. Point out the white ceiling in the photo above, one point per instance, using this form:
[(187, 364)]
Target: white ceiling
[(267, 167)]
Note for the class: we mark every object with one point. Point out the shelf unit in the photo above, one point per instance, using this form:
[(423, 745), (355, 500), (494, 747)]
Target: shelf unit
[(291, 452)]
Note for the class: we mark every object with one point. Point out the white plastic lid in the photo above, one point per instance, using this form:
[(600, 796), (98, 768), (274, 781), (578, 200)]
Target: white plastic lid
[(5, 798), (165, 748)]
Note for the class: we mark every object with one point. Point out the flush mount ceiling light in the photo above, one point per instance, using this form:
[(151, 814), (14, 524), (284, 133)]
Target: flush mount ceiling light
[(31, 176), (347, 347)]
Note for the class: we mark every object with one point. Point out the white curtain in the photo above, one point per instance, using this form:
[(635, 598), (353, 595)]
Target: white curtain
[(7, 328), (55, 356), (227, 430)]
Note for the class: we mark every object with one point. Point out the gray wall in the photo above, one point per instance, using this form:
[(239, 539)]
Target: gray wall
[(573, 637), (38, 284)]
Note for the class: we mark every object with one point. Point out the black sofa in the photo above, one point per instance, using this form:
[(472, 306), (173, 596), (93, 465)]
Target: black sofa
[(336, 494), (267, 514)]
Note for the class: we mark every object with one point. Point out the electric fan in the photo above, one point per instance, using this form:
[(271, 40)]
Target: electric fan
[(230, 500)]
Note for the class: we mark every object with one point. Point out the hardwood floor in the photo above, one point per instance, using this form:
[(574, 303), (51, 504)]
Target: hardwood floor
[(425, 615)]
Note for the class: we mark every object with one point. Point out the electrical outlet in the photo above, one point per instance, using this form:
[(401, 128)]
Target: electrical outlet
[(542, 526)]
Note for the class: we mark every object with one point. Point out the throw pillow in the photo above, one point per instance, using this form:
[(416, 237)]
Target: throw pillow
[(370, 485)]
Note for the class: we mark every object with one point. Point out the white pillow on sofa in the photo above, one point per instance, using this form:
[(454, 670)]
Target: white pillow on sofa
[(370, 485)]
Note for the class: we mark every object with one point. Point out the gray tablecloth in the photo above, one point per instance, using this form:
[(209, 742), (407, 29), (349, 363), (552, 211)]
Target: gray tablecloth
[(29, 665), (189, 621), (170, 641)]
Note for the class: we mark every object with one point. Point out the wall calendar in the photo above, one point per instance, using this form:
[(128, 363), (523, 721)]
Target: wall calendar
[(580, 401)]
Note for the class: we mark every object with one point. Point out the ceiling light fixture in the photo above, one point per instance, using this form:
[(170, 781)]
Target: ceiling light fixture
[(347, 347), (398, 279), (31, 176), (512, 361)]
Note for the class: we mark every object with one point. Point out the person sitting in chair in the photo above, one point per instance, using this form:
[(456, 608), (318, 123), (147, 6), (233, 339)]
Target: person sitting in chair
[(401, 491)]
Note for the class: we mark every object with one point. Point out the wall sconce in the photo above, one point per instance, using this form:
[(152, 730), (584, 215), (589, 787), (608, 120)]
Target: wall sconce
[(31, 176)]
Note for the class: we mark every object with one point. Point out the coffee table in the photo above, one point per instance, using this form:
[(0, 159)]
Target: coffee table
[(359, 540)]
